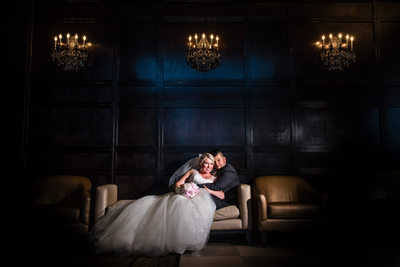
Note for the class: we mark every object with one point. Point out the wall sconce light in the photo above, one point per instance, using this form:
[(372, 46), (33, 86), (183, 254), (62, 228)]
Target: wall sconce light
[(336, 53), (202, 54), (70, 55)]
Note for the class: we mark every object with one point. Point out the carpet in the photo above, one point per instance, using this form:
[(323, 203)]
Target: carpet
[(171, 260)]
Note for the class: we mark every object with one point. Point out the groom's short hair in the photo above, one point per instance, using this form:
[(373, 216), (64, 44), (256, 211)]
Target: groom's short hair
[(216, 152)]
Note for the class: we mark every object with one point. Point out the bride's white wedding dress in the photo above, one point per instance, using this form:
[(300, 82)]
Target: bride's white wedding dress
[(156, 225)]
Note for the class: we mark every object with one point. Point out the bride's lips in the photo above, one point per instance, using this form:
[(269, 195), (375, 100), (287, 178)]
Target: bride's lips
[(208, 169)]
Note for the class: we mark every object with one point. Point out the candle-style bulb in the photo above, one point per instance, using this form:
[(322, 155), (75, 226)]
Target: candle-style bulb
[(203, 35), (351, 42), (212, 36), (68, 39), (195, 36)]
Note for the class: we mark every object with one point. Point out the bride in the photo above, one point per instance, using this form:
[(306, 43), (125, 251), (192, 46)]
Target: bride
[(157, 225)]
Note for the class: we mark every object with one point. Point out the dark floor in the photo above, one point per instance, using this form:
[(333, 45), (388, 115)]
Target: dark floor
[(325, 248)]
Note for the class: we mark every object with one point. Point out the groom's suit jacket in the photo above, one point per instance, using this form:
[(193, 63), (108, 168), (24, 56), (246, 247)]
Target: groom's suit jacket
[(227, 181)]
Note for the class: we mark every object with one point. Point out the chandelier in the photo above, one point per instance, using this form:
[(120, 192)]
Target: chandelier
[(203, 55), (336, 54), (70, 55)]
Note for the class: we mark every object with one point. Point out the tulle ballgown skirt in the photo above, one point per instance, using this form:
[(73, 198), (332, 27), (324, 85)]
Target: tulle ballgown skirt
[(155, 225)]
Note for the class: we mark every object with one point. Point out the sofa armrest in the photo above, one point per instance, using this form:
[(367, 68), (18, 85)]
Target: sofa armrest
[(244, 197), (85, 211), (106, 195), (262, 207)]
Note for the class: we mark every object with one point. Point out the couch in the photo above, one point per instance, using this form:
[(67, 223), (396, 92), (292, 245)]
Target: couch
[(226, 220)]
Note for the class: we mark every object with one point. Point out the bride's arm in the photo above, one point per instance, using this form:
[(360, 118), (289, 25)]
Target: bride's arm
[(183, 179), (218, 194)]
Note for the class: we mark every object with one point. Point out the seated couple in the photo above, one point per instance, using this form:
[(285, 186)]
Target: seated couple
[(160, 224)]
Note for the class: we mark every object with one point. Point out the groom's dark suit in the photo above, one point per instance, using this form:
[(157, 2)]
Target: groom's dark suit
[(227, 181)]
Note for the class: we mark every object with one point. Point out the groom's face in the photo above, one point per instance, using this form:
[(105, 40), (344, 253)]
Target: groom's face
[(220, 161)]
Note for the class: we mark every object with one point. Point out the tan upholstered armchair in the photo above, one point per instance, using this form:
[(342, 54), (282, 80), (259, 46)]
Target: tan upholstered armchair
[(226, 219), (286, 203), (61, 204)]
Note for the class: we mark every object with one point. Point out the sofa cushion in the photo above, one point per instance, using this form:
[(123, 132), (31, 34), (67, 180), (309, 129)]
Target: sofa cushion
[(231, 224), (226, 213), (292, 210)]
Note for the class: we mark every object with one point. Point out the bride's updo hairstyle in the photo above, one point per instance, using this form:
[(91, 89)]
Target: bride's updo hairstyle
[(205, 156)]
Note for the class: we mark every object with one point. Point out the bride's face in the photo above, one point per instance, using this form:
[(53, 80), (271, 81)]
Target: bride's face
[(207, 165)]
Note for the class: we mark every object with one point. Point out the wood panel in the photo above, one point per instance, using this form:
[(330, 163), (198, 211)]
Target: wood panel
[(318, 161), (363, 9), (338, 127), (270, 95), (194, 10), (268, 52), (392, 128), (134, 186), (267, 10), (50, 94), (392, 94), (271, 126), (137, 95), (70, 126), (139, 51), (203, 94), (60, 162), (203, 126), (272, 162), (390, 52), (137, 126), (339, 95), (136, 161), (389, 10)]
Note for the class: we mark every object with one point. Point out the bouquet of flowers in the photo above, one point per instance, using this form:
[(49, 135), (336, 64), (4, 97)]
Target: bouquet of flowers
[(188, 190)]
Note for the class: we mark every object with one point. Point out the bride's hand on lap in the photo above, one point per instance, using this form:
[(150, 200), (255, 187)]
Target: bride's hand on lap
[(177, 188)]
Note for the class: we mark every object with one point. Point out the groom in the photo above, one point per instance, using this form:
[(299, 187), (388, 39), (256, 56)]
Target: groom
[(227, 181)]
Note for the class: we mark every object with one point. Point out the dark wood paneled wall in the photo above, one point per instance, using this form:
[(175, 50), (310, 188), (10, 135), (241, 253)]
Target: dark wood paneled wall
[(138, 110)]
